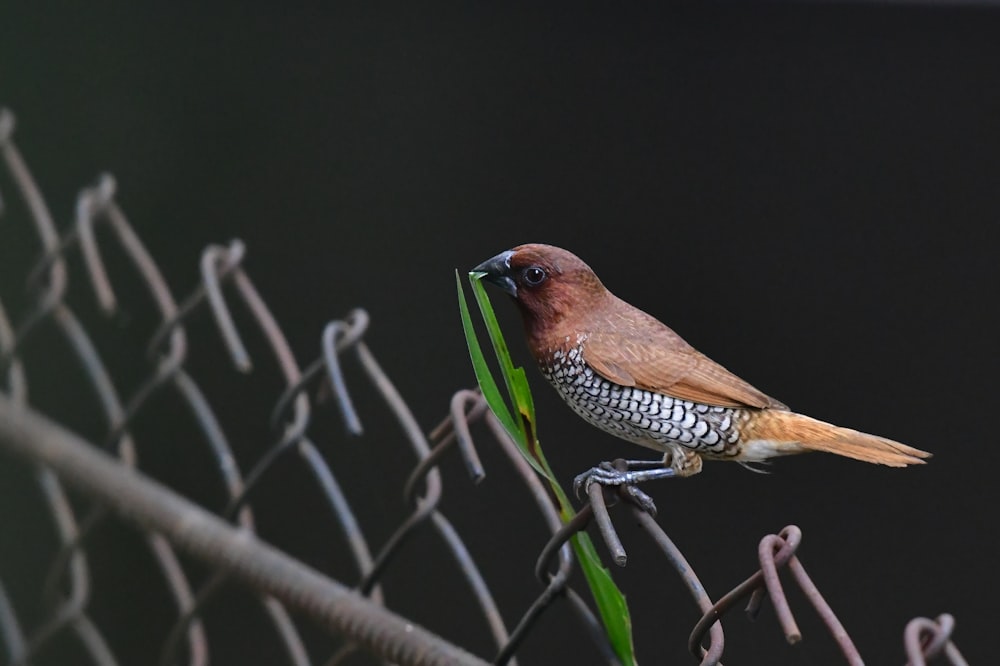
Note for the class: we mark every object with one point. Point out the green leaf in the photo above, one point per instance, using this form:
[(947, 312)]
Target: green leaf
[(521, 427), (483, 375), (496, 338)]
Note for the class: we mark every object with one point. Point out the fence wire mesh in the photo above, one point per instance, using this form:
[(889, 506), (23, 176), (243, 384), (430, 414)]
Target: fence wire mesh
[(55, 608)]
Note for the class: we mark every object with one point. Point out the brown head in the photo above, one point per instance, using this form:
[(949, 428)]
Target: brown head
[(550, 286), (561, 300)]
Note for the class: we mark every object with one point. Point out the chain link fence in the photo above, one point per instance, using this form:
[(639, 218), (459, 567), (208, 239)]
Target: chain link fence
[(196, 544)]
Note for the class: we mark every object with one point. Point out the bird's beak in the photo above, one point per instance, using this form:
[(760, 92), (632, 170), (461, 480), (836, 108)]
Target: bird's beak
[(497, 271)]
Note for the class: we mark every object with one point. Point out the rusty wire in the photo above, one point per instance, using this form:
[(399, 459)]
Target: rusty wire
[(227, 540)]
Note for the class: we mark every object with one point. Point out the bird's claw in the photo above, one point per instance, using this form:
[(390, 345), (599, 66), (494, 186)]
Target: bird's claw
[(640, 499), (606, 474)]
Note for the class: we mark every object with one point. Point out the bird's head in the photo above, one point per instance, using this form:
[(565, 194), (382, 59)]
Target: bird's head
[(548, 283)]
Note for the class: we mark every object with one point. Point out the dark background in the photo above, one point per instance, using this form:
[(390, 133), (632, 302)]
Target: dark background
[(807, 193)]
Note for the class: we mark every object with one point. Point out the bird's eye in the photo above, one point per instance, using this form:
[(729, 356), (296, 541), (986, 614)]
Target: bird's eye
[(534, 276)]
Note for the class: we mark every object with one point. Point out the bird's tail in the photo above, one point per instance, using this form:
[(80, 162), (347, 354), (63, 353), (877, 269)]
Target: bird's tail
[(784, 432)]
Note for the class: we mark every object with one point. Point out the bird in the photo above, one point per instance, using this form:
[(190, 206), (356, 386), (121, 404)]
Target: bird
[(633, 377)]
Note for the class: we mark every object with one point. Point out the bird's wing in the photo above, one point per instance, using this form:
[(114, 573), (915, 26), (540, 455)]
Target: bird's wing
[(652, 357)]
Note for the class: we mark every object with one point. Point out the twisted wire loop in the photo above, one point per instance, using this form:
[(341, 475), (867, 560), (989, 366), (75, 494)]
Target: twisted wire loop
[(777, 550), (925, 639), (107, 468)]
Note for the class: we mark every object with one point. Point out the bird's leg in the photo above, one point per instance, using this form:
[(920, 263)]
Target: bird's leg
[(625, 474), (607, 474)]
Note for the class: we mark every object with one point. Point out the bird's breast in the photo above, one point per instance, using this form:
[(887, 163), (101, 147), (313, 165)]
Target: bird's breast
[(649, 418)]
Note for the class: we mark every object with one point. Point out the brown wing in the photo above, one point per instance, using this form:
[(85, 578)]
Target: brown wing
[(649, 355)]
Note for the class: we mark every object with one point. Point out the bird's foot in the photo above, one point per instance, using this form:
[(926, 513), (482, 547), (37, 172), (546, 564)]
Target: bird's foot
[(621, 475)]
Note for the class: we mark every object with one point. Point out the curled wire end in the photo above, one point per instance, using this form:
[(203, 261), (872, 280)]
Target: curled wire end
[(357, 321), (336, 335), (90, 203), (217, 262), (775, 551), (461, 403), (104, 190)]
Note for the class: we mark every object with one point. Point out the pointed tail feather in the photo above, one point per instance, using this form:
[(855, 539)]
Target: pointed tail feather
[(787, 432)]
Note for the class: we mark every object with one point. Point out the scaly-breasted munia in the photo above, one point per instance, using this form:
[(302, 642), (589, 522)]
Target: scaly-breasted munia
[(633, 377)]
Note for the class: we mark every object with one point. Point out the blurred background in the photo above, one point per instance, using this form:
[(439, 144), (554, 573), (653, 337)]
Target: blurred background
[(808, 193)]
